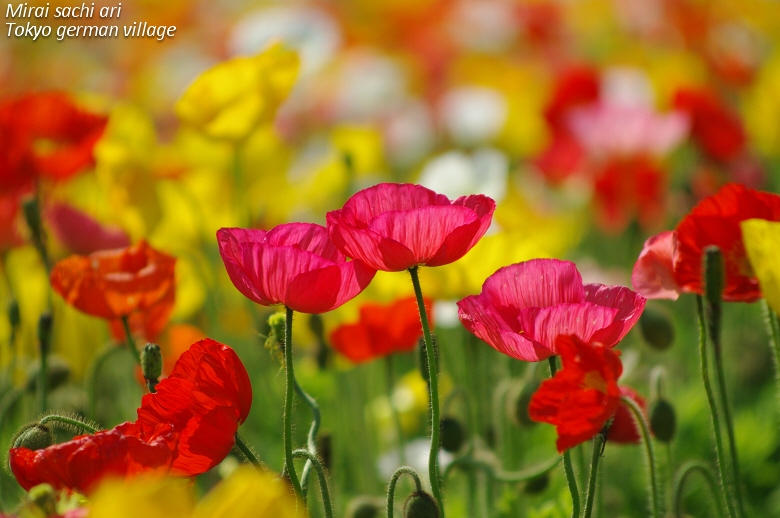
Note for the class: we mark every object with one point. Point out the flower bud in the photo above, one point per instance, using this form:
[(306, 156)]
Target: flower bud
[(57, 373), (424, 357), (32, 216), (44, 333), (517, 401), (14, 316), (44, 498), (274, 342), (714, 274), (365, 507), (421, 505), (453, 434), (657, 328), (325, 450), (537, 484), (663, 421), (33, 436), (151, 362)]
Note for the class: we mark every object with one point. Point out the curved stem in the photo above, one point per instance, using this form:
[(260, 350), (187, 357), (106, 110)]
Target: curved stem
[(684, 472), (73, 423), (399, 430), (311, 441), (130, 341), (312, 459), (598, 443), (288, 402), (433, 383), (467, 462), (571, 480), (774, 333), (90, 378), (714, 414), (403, 470), (644, 429), (249, 454)]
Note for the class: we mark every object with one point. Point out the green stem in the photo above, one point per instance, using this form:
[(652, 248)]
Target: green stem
[(312, 438), (774, 333), (249, 454), (433, 383), (43, 380), (75, 423), (312, 458), (571, 480), (91, 378), (467, 462), (129, 339), (684, 472), (598, 443), (396, 417), (403, 470), (288, 403), (714, 414), (639, 417)]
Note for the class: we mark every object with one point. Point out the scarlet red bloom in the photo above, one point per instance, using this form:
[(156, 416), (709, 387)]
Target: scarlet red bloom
[(46, 135), (81, 463), (115, 283), (294, 264), (714, 221), (583, 395), (624, 428), (206, 397), (523, 308), (716, 129), (393, 227), (381, 330)]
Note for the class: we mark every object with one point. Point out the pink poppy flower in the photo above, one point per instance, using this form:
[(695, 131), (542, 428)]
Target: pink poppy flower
[(525, 307), (653, 274), (393, 227), (294, 264)]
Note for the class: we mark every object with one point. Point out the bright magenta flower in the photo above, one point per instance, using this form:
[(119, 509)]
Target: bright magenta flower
[(525, 307), (294, 264), (393, 227)]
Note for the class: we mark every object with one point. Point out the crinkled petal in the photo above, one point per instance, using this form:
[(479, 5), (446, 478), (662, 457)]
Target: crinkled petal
[(545, 325), (629, 305), (365, 245), (325, 289)]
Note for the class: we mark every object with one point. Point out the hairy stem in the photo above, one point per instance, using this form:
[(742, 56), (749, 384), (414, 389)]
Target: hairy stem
[(571, 480)]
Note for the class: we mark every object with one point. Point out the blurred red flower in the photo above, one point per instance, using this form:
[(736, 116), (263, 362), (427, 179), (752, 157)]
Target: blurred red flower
[(523, 308), (10, 237), (80, 233), (716, 129), (393, 227), (624, 429), (381, 330), (714, 221), (81, 463), (583, 395), (45, 134), (294, 264)]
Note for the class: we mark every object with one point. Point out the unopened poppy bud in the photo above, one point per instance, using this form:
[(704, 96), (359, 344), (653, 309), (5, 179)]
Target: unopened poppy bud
[(453, 434), (663, 421), (14, 317), (57, 373), (151, 362), (44, 498), (424, 357), (537, 484), (33, 436), (421, 505), (714, 274), (365, 507), (44, 333), (657, 328), (325, 450), (274, 342), (32, 216), (517, 402)]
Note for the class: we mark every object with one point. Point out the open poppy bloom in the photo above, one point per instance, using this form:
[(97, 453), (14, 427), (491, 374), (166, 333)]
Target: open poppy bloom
[(677, 256), (186, 428), (393, 227), (294, 264), (583, 395), (624, 428), (381, 330), (762, 243), (717, 130), (523, 308)]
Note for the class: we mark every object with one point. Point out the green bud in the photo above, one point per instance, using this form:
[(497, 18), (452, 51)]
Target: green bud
[(316, 325), (44, 333), (57, 373), (663, 421), (537, 484), (274, 342), (421, 505), (365, 507), (517, 401), (657, 328), (424, 357), (325, 450), (32, 215), (453, 434), (714, 275), (151, 362), (14, 317), (33, 436), (44, 498)]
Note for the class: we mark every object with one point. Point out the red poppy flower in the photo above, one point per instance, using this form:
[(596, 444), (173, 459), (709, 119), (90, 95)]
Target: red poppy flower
[(381, 330), (523, 308), (205, 398), (9, 217), (115, 283), (80, 233), (393, 227), (715, 128), (575, 86), (624, 429), (583, 395), (714, 221), (81, 463), (294, 264), (45, 134)]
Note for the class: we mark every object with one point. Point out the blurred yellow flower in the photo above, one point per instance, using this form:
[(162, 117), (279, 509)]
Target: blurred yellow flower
[(244, 494), (232, 98), (762, 243)]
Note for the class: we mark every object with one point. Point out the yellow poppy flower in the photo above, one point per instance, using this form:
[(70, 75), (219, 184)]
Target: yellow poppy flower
[(762, 243)]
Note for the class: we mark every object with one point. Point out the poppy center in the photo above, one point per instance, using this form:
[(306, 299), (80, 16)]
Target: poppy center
[(594, 380)]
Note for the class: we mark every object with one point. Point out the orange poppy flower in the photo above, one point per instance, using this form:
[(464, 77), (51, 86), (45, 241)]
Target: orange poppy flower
[(115, 283)]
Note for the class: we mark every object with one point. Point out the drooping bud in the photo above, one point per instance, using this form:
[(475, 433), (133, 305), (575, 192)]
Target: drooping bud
[(57, 373), (44, 333), (453, 434), (325, 450), (14, 316), (44, 498), (274, 342), (663, 421), (537, 484), (33, 436), (657, 328), (517, 401), (151, 364), (421, 505), (32, 215), (424, 357), (365, 507), (714, 275)]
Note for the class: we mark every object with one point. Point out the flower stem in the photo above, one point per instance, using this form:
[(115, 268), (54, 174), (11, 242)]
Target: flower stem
[(312, 438), (396, 417), (468, 462), (403, 470), (567, 467), (92, 376), (312, 458), (651, 464), (129, 339), (73, 423), (433, 383), (598, 445), (714, 414), (288, 403), (774, 333), (249, 454), (684, 472)]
